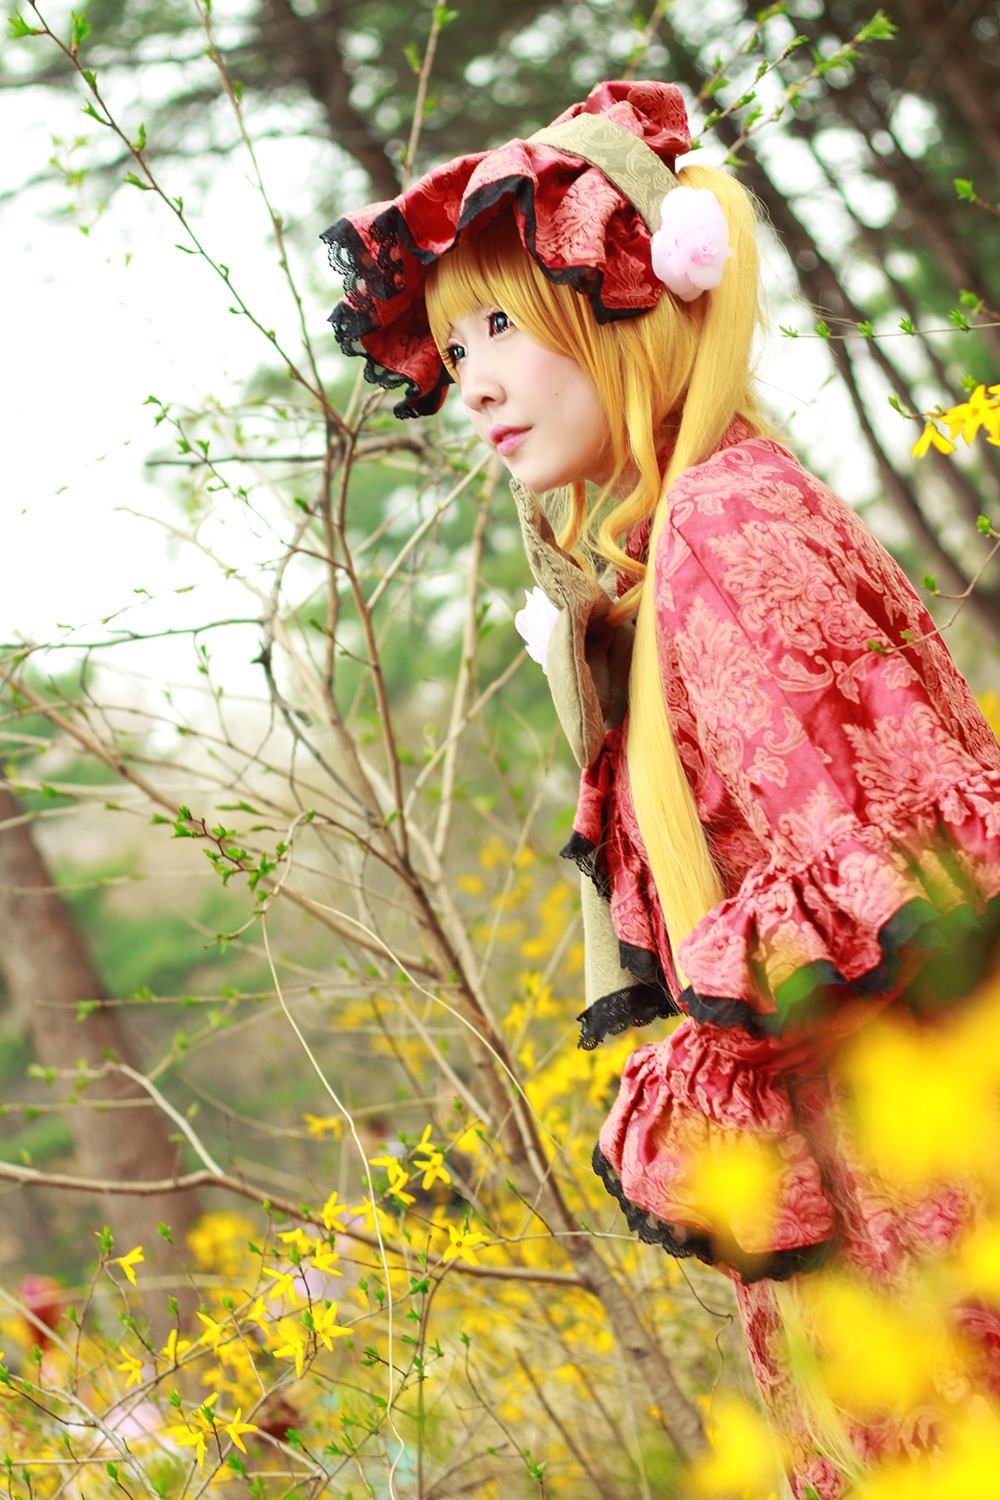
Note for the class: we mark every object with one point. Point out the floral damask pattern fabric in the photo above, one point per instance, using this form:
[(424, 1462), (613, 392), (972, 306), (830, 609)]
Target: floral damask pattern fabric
[(850, 790)]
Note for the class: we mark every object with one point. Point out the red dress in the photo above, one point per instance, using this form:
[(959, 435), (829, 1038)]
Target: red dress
[(849, 788)]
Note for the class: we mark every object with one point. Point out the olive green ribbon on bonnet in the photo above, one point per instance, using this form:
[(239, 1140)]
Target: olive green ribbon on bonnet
[(625, 160)]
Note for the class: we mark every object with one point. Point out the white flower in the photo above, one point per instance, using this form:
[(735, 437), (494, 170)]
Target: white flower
[(534, 624), (691, 249)]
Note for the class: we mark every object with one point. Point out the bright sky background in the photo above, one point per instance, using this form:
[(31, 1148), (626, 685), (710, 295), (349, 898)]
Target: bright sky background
[(95, 323)]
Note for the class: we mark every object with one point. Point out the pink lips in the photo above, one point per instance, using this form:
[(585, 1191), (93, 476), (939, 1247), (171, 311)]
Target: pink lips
[(506, 439)]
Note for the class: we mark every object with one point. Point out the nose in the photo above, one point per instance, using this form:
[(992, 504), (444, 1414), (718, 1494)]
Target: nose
[(480, 383)]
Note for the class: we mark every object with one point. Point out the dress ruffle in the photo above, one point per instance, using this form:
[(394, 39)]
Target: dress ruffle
[(691, 1102), (915, 904)]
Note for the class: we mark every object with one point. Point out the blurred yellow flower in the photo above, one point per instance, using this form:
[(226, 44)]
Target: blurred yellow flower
[(131, 1367), (180, 1434), (989, 703), (129, 1261), (876, 1353), (926, 1097), (742, 1459), (175, 1346), (214, 1332), (932, 437), (332, 1214), (294, 1346), (735, 1187), (965, 1467), (322, 1126)]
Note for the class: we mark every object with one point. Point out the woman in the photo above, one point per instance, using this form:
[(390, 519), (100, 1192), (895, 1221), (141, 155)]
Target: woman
[(790, 803)]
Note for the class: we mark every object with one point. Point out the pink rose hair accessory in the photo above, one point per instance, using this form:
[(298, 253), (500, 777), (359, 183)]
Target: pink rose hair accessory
[(691, 248)]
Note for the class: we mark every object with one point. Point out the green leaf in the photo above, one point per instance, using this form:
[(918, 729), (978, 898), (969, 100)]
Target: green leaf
[(907, 325), (879, 29), (238, 90), (984, 525), (135, 181), (958, 318), (965, 189), (19, 27), (81, 30), (412, 57), (822, 329), (866, 329), (970, 300), (139, 144), (930, 583)]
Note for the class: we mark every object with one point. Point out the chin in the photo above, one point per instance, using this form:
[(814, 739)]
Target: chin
[(538, 480)]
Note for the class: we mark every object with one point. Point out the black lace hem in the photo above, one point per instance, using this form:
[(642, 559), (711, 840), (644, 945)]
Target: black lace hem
[(584, 855), (379, 278), (635, 1005), (962, 949), (776, 1265)]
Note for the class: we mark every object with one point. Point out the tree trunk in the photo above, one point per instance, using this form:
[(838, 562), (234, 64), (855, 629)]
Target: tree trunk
[(48, 972)]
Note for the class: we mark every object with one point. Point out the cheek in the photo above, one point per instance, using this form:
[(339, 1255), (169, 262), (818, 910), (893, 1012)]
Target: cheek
[(543, 372)]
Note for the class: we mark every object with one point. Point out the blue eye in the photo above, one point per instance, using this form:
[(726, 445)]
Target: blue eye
[(453, 354), (498, 322)]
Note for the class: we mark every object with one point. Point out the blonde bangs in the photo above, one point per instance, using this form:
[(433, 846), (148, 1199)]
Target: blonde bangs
[(494, 270)]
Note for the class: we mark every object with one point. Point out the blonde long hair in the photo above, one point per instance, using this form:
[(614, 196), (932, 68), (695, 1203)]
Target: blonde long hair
[(679, 374)]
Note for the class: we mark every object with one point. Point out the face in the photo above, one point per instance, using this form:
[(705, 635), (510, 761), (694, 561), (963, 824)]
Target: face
[(538, 409)]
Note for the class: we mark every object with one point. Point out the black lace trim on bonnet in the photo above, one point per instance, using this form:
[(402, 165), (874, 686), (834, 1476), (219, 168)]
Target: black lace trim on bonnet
[(369, 280), (776, 1265)]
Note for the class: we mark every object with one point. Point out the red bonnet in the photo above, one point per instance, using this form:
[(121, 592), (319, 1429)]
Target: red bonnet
[(584, 224)]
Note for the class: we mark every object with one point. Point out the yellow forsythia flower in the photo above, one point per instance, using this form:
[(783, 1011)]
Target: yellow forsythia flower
[(294, 1346), (326, 1327), (127, 1262), (236, 1428), (131, 1367), (322, 1126), (463, 1243), (932, 437)]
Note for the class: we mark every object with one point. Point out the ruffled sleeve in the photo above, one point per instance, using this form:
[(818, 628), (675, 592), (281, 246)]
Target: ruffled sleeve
[(813, 682)]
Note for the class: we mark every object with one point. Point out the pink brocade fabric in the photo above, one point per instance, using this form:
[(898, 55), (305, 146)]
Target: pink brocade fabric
[(851, 797)]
